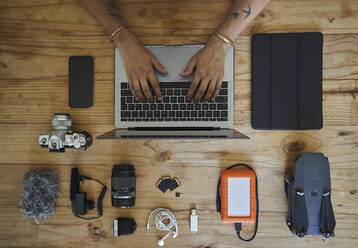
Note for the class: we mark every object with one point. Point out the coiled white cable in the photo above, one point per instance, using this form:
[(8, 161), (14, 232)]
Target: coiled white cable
[(162, 214)]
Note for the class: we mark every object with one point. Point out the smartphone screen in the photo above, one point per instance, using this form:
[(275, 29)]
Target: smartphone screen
[(80, 81)]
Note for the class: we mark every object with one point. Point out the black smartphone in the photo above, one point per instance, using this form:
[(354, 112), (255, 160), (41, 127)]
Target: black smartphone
[(80, 81)]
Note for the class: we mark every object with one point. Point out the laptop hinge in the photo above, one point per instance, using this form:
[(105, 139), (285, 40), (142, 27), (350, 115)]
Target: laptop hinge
[(174, 128)]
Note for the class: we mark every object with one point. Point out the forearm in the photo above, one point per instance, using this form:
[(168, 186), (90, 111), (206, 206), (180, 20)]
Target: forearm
[(241, 13), (105, 12)]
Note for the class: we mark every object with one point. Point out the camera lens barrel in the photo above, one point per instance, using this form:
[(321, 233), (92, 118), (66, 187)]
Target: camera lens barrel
[(123, 186)]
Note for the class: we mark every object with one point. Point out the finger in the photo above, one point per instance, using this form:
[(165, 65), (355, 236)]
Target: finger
[(155, 85), (193, 86), (217, 89), (189, 69), (210, 89), (158, 66), (132, 89), (145, 89), (137, 89), (202, 89)]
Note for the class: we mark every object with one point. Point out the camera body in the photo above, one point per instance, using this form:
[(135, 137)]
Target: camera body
[(123, 186), (61, 136)]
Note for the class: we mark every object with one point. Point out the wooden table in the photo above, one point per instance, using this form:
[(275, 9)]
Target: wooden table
[(38, 36)]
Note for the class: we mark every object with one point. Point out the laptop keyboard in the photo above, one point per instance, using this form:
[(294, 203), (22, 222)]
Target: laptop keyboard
[(174, 106)]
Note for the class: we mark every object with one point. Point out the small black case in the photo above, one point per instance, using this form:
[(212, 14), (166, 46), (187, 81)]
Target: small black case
[(287, 81), (80, 81)]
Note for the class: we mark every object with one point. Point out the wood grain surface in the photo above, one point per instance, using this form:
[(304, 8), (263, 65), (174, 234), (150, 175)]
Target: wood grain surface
[(38, 36)]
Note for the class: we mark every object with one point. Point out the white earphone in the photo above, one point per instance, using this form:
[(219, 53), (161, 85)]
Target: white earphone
[(171, 226)]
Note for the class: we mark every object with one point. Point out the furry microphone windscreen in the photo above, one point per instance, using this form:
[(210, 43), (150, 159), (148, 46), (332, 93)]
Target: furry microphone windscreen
[(40, 190)]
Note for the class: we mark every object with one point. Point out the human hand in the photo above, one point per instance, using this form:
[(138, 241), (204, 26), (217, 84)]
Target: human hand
[(139, 64), (209, 70)]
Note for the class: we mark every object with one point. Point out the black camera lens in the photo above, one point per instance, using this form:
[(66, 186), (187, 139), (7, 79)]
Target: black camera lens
[(123, 186)]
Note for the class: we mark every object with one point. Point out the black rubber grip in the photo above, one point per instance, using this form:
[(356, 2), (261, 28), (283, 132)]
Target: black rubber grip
[(75, 183), (100, 200)]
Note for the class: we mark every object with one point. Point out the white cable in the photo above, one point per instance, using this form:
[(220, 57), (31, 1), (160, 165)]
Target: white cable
[(162, 214)]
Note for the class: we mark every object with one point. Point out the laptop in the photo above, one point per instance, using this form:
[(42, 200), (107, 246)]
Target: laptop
[(174, 117)]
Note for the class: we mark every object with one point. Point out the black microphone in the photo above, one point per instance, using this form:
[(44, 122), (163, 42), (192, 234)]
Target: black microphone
[(75, 183)]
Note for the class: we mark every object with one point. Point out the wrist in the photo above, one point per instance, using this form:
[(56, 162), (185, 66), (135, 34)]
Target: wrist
[(218, 43), (125, 38)]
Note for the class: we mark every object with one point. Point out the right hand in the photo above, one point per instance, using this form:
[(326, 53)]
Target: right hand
[(139, 64)]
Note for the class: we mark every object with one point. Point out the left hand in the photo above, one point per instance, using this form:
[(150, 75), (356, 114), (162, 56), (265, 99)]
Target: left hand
[(209, 70)]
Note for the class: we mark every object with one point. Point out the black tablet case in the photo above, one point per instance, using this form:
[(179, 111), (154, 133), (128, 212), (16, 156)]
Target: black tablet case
[(287, 81)]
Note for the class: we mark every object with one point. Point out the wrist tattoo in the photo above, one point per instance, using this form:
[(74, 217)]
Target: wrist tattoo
[(247, 12), (235, 14), (112, 9)]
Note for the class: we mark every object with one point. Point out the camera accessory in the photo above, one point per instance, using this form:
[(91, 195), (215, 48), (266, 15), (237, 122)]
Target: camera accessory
[(237, 198), (40, 192), (61, 136), (310, 210), (164, 221), (123, 226), (193, 221), (123, 186), (80, 204), (80, 81), (166, 183)]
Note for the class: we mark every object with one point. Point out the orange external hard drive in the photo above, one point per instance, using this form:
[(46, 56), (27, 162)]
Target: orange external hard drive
[(238, 196)]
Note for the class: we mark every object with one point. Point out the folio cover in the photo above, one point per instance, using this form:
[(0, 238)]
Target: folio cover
[(287, 81)]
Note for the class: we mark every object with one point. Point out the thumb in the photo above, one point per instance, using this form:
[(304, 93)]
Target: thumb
[(158, 66), (189, 69)]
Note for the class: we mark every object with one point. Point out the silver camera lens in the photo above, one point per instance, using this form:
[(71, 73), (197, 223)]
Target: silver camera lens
[(61, 122)]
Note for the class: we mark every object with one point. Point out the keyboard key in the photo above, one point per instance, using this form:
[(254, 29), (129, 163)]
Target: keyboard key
[(193, 113), (212, 119), (208, 114), (168, 107), (222, 119), (197, 119), (146, 106), (171, 113), (173, 99), (124, 85), (145, 119), (168, 119), (126, 93), (205, 119), (138, 119), (181, 99), (125, 119), (156, 113), (190, 106), (123, 100), (175, 119), (201, 113), (166, 99), (177, 92), (190, 119), (197, 106), (130, 106), (135, 100), (164, 114), (131, 119), (170, 92), (221, 99), (205, 106), (223, 92), (184, 92), (138, 107), (153, 119), (182, 106), (160, 106), (223, 113), (174, 85), (224, 84), (149, 114), (182, 119), (175, 106), (135, 114), (164, 92), (186, 113), (222, 106), (160, 119), (141, 113), (129, 99), (125, 114), (124, 107), (216, 113), (178, 114), (153, 107), (212, 106)]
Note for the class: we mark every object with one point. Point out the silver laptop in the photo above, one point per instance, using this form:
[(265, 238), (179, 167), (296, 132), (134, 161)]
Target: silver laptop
[(174, 117)]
